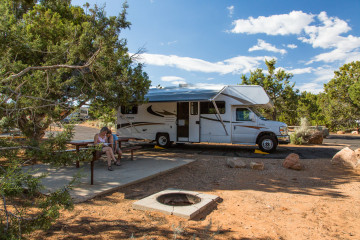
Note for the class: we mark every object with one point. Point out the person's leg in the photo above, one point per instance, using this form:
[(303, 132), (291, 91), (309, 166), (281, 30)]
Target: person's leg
[(119, 152), (109, 155)]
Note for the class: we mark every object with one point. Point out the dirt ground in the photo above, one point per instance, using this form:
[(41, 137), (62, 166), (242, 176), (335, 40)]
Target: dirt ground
[(319, 202)]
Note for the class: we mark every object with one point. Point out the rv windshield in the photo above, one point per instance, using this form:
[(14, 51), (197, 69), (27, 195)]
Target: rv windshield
[(258, 113)]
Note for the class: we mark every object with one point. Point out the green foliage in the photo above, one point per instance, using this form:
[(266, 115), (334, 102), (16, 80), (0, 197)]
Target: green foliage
[(281, 92), (23, 208), (99, 110), (308, 106), (340, 103), (53, 149), (86, 58)]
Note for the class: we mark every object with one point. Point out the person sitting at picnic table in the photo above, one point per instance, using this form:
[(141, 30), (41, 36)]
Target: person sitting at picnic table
[(101, 138), (113, 140)]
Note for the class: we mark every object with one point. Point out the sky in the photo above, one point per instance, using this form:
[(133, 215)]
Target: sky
[(210, 43)]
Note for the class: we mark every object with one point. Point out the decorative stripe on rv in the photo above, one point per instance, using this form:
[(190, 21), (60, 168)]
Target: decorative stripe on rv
[(248, 126), (212, 119), (159, 114), (137, 124)]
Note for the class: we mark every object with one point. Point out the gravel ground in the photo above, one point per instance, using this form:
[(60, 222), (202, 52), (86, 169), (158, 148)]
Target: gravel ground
[(318, 202)]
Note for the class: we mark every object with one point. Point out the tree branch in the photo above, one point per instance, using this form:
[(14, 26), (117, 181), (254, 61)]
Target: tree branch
[(26, 70)]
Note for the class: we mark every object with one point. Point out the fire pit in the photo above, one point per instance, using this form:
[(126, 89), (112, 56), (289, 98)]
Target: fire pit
[(178, 199), (177, 202)]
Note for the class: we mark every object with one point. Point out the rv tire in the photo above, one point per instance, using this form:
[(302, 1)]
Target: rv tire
[(163, 140), (267, 143)]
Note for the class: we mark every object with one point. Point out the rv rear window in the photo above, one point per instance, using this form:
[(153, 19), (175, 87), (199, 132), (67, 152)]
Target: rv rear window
[(129, 110), (208, 107)]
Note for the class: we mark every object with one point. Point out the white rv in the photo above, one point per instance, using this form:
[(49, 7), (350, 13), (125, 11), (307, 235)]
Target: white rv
[(182, 115)]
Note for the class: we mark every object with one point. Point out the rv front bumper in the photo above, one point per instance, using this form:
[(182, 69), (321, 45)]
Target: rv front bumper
[(283, 139)]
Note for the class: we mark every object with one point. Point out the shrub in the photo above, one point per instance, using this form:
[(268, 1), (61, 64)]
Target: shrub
[(302, 134)]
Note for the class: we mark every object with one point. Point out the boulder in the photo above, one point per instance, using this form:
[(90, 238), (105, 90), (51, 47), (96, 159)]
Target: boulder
[(357, 153), (340, 132), (292, 161), (355, 132), (316, 138), (345, 158), (235, 163), (257, 165)]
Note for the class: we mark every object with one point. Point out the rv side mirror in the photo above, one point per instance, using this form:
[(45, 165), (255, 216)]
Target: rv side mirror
[(252, 116)]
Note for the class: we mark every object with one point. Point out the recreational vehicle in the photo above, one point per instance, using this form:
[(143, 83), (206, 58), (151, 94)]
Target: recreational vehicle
[(80, 114), (183, 115)]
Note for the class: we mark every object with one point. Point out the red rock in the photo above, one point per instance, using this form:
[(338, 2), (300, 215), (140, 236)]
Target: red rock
[(340, 132), (235, 163), (316, 138), (345, 157), (357, 153), (257, 165), (292, 161)]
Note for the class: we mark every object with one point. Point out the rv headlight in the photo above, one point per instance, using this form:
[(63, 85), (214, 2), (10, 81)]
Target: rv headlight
[(283, 130)]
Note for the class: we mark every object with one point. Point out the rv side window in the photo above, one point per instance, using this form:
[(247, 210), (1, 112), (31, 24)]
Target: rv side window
[(242, 114), (194, 108), (208, 107), (129, 110)]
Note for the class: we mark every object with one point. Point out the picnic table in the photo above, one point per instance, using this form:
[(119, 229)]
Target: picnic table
[(79, 144)]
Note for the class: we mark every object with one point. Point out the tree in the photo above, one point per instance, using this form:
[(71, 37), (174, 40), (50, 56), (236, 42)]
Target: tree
[(54, 57), (277, 86), (340, 101), (309, 107), (99, 110), (23, 208)]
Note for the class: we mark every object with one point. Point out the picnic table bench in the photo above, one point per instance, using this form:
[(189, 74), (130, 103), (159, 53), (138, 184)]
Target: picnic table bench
[(98, 154)]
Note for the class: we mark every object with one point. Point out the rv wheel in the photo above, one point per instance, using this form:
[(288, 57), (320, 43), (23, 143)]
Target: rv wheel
[(267, 143), (163, 140)]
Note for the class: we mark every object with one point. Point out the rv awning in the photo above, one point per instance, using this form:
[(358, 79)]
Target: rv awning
[(180, 94)]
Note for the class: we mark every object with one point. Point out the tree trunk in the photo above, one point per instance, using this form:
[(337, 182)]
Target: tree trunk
[(33, 128), (274, 114)]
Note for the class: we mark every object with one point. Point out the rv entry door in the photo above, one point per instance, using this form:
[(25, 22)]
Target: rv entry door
[(183, 121), (194, 122)]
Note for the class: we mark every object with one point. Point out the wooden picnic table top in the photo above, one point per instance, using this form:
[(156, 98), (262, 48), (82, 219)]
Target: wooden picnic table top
[(90, 141)]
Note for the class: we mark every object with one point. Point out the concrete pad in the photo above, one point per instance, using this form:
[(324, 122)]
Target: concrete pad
[(105, 181), (150, 203), (187, 212)]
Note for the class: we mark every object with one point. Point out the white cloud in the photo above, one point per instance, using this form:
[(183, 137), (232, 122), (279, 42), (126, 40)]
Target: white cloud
[(324, 74), (171, 78), (284, 24), (208, 86), (231, 10), (337, 55), (320, 31), (236, 65), (292, 46), (262, 45), (300, 70), (311, 87), (169, 43), (328, 36)]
